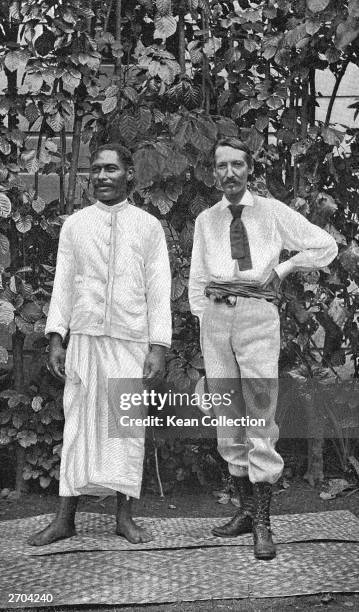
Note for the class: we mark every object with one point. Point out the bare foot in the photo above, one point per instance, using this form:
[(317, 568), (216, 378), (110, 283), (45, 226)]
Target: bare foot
[(127, 528), (52, 533)]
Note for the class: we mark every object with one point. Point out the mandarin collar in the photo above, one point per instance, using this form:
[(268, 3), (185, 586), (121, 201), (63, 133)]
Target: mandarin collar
[(247, 200), (115, 208)]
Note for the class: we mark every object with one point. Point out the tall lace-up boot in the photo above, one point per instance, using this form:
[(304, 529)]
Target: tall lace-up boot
[(242, 520), (264, 547)]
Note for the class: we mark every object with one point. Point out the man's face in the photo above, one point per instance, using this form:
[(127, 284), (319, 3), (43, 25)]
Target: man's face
[(109, 177), (231, 171)]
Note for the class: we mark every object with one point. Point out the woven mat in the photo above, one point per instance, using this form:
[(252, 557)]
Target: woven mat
[(96, 532), (139, 577)]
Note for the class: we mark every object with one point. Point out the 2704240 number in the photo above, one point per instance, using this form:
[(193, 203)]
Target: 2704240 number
[(30, 597)]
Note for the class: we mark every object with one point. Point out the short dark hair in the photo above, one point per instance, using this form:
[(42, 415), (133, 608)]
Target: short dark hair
[(124, 155), (235, 143)]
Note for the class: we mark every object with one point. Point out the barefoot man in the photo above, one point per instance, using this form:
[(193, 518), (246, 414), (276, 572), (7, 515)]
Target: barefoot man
[(112, 292)]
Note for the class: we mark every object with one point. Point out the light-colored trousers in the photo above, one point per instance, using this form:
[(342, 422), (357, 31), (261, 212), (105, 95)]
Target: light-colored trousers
[(240, 346)]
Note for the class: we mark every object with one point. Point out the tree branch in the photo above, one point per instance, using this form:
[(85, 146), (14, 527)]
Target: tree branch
[(76, 142), (118, 63), (38, 150), (334, 92), (107, 18), (181, 44)]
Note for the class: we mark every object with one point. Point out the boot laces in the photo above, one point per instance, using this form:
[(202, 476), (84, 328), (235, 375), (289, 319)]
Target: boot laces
[(262, 517)]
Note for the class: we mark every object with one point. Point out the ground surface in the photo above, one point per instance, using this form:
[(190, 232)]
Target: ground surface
[(298, 498)]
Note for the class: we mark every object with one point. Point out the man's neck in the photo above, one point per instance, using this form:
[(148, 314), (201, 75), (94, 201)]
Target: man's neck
[(236, 198), (114, 202)]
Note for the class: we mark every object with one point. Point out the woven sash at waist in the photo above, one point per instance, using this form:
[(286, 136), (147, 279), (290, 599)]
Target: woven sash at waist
[(225, 289)]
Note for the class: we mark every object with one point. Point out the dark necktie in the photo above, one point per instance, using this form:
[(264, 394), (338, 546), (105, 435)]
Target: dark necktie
[(239, 239)]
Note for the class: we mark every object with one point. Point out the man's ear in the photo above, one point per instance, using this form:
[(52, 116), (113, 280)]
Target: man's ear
[(130, 173)]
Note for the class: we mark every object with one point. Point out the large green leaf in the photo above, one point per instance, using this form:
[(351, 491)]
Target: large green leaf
[(31, 312), (44, 44), (353, 8), (32, 113), (24, 224), (6, 312), (5, 146), (195, 51), (165, 26), (24, 326), (178, 287), (254, 139), (163, 7), (161, 200), (332, 137), (27, 438), (109, 104), (29, 160), (186, 237), (173, 190), (71, 79), (33, 82), (349, 258), (346, 33), (36, 403), (128, 127), (170, 232), (145, 119), (38, 204), (292, 37), (198, 204), (316, 6), (5, 206), (204, 173), (4, 355), (147, 165), (4, 252), (15, 60), (211, 47), (14, 10), (56, 121)]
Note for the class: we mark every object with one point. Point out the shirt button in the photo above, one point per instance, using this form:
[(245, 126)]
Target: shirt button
[(100, 321), (101, 299)]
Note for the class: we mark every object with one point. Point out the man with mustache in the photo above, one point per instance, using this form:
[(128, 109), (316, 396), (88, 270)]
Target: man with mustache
[(112, 292), (234, 279)]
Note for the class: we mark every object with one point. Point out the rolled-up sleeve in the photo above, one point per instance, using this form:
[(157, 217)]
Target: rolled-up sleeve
[(58, 319), (158, 288), (316, 248), (199, 276)]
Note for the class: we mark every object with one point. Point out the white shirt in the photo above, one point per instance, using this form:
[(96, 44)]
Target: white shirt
[(271, 227), (112, 276)]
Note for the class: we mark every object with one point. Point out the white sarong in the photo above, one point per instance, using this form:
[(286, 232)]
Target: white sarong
[(93, 463)]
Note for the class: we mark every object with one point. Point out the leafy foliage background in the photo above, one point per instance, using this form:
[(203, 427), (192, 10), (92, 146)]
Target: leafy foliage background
[(166, 78)]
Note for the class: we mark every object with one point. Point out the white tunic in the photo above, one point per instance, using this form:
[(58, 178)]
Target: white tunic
[(112, 276), (112, 291)]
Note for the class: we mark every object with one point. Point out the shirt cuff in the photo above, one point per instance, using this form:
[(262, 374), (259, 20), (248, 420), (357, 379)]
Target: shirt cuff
[(160, 343), (165, 345), (284, 268)]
